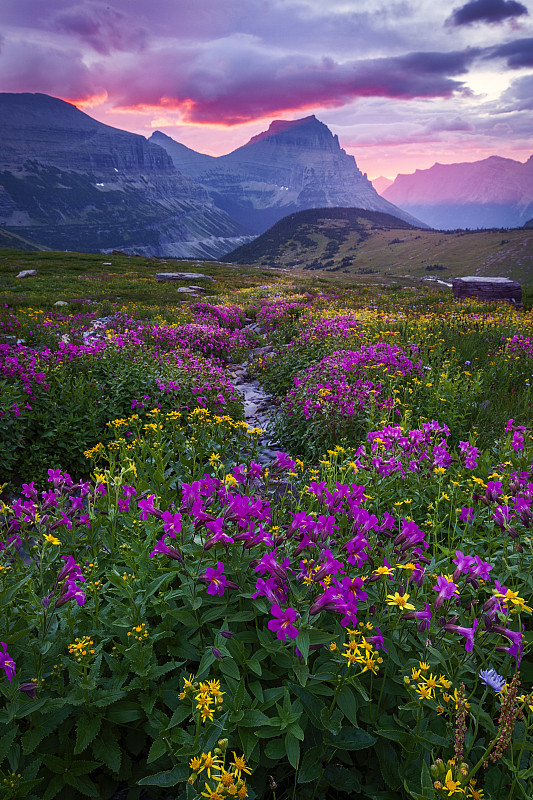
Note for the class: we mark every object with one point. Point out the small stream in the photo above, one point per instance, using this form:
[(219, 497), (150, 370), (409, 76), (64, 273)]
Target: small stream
[(258, 404)]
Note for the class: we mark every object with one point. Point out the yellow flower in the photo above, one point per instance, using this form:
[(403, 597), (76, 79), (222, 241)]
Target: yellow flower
[(195, 763), (423, 691), (451, 785), (211, 794), (333, 646), (240, 765), (399, 600), (423, 666), (209, 762), (384, 571), (51, 539)]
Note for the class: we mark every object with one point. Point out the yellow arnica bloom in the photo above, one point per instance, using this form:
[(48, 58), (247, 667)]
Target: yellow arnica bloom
[(240, 765), (51, 539), (399, 600), (451, 785), (212, 793), (424, 692), (384, 571)]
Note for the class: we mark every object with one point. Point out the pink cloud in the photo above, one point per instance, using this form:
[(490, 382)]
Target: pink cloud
[(235, 81)]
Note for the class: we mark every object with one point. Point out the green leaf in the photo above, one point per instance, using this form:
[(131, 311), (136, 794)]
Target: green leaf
[(426, 783), (86, 730), (180, 714), (106, 748), (388, 763), (81, 767), (54, 763), (354, 739), (344, 780), (6, 741), (230, 668), (253, 718), (302, 643), (333, 722), (275, 749), (347, 702), (167, 778), (255, 666), (292, 748), (82, 784), (54, 787), (124, 711), (157, 750), (311, 767)]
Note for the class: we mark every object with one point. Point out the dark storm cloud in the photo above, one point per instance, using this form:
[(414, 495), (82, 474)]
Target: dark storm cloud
[(490, 11), (518, 53)]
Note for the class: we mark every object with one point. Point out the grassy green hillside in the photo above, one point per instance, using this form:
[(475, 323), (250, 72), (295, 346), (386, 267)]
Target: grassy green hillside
[(354, 243)]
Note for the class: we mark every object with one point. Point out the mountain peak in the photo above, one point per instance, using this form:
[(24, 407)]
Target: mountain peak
[(295, 131)]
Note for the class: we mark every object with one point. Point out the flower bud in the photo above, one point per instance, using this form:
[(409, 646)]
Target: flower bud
[(227, 634), (223, 744), (216, 652)]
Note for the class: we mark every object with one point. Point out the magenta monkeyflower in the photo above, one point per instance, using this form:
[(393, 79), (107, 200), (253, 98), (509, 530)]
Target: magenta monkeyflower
[(216, 579), (481, 569), (147, 508), (282, 622), (171, 552), (516, 639), (172, 522), (424, 617), (464, 563), (468, 633), (445, 588), (7, 663), (69, 591), (269, 589), (70, 569)]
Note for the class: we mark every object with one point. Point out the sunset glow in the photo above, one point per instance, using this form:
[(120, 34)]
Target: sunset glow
[(403, 86)]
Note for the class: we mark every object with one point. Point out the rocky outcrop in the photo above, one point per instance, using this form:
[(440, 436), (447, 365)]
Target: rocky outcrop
[(482, 288), (294, 165), (493, 193)]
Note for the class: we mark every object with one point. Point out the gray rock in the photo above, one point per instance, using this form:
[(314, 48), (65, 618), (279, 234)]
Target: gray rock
[(27, 273), (185, 290), (182, 276), (61, 303)]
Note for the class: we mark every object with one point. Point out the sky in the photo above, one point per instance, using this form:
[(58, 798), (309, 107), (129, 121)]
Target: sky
[(404, 83)]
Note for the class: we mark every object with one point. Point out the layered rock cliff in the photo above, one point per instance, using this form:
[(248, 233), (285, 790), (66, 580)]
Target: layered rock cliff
[(70, 182), (294, 165)]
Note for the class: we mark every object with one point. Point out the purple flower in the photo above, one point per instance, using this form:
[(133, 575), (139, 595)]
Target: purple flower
[(464, 563), (164, 549), (516, 639), (7, 663), (481, 569), (70, 569), (491, 679), (445, 588), (269, 589), (147, 508), (216, 579), (172, 522), (467, 514), (69, 591), (468, 633), (424, 617), (282, 623)]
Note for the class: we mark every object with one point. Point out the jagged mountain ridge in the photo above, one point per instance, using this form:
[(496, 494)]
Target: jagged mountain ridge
[(70, 182), (493, 192), (294, 165)]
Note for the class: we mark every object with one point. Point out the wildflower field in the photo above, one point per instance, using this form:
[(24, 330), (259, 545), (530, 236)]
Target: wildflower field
[(181, 617)]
